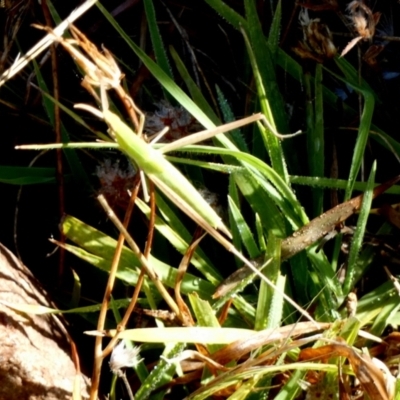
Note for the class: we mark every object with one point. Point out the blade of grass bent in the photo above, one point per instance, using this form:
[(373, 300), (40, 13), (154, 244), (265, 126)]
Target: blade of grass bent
[(260, 170)]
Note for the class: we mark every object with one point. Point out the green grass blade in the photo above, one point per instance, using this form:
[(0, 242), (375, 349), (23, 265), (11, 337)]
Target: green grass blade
[(268, 93), (261, 203), (365, 121), (156, 39), (236, 236), (245, 231), (194, 91), (270, 302), (371, 304), (261, 171), (228, 13), (14, 175), (179, 237), (98, 249), (205, 317), (160, 375), (385, 316), (235, 135), (260, 234), (275, 30), (328, 183), (359, 232), (315, 134)]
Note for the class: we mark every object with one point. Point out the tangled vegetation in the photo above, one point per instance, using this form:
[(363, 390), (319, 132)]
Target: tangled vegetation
[(250, 261)]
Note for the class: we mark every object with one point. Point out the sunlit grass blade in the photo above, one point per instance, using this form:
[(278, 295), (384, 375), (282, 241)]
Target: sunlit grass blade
[(270, 303), (244, 230), (289, 203), (268, 95), (359, 232), (205, 317), (385, 317), (365, 121), (328, 183), (160, 375), (98, 249), (198, 334), (236, 236), (372, 304)]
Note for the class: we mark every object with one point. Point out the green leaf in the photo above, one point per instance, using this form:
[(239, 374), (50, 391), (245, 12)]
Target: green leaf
[(100, 250), (194, 91), (359, 232), (26, 175), (244, 230)]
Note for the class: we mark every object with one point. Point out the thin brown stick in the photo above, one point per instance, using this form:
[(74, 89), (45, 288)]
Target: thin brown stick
[(57, 131), (121, 326), (184, 312), (142, 259), (98, 351)]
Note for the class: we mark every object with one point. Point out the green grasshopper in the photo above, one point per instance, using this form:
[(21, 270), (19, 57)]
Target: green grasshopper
[(101, 71)]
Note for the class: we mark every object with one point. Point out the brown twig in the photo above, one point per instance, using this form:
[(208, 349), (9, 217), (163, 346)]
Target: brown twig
[(98, 351), (142, 259), (57, 131), (121, 326), (184, 312)]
